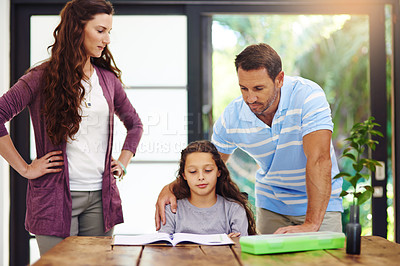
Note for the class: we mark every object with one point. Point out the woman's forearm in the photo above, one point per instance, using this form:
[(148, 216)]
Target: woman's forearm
[(125, 157)]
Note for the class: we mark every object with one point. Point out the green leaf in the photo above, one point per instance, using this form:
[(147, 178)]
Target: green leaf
[(344, 193), (347, 150), (375, 132), (353, 180), (354, 145), (361, 151), (364, 196), (372, 161), (372, 144), (350, 156), (358, 166), (356, 125), (369, 188), (370, 164), (341, 174), (371, 167), (366, 176)]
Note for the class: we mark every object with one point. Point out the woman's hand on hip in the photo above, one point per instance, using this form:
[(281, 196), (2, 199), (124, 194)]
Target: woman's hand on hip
[(116, 169), (49, 163)]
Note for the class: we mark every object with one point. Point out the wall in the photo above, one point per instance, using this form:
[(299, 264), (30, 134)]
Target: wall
[(4, 168)]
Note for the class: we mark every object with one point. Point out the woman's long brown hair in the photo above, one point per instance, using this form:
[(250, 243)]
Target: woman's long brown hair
[(62, 88), (225, 186)]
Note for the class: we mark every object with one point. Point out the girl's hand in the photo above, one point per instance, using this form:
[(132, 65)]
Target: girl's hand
[(116, 169), (49, 163), (234, 235)]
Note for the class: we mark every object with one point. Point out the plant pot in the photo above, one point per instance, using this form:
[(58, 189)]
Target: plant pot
[(353, 231)]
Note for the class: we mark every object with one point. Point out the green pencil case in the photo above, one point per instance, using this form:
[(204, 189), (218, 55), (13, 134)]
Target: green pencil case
[(291, 242)]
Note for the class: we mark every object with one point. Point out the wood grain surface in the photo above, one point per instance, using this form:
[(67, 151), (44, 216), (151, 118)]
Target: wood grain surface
[(79, 250)]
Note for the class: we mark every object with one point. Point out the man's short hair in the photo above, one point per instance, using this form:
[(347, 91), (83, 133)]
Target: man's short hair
[(258, 56)]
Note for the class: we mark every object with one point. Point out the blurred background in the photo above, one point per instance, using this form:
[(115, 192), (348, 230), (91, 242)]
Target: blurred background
[(177, 62)]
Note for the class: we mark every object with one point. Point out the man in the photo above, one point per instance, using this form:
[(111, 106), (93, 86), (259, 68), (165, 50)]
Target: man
[(285, 124)]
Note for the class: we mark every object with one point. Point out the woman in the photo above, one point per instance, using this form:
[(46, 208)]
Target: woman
[(72, 98)]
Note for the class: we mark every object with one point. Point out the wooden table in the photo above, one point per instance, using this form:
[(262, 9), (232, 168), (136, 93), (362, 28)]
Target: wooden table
[(77, 250)]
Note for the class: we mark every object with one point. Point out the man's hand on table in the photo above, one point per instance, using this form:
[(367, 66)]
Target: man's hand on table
[(306, 227)]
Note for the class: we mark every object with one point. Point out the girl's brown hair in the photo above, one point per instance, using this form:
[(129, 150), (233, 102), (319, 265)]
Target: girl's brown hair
[(62, 88), (225, 187)]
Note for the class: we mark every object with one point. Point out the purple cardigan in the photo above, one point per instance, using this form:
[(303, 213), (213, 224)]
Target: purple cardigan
[(48, 201)]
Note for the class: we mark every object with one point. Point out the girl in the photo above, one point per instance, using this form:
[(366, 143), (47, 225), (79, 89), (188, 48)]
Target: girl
[(209, 202), (72, 99)]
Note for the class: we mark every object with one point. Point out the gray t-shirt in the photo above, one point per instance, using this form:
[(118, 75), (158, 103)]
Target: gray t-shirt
[(223, 217)]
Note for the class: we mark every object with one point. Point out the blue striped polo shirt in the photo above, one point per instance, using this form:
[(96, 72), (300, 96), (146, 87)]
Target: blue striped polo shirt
[(278, 150)]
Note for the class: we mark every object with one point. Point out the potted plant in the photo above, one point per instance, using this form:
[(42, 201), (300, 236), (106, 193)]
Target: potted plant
[(360, 145)]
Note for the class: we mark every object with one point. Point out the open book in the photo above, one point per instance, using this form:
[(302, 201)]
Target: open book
[(171, 239)]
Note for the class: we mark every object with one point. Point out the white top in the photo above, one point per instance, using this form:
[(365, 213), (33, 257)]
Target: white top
[(86, 154)]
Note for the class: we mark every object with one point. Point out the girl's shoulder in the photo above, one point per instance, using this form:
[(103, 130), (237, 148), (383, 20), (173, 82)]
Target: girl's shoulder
[(181, 204), (230, 204)]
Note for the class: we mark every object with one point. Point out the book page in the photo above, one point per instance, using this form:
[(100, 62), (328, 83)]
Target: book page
[(138, 240), (211, 239)]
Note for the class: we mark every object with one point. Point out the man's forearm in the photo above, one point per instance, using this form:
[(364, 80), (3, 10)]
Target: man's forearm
[(171, 185), (318, 186)]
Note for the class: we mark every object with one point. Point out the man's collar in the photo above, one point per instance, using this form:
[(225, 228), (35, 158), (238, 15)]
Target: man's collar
[(285, 94), (245, 113)]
